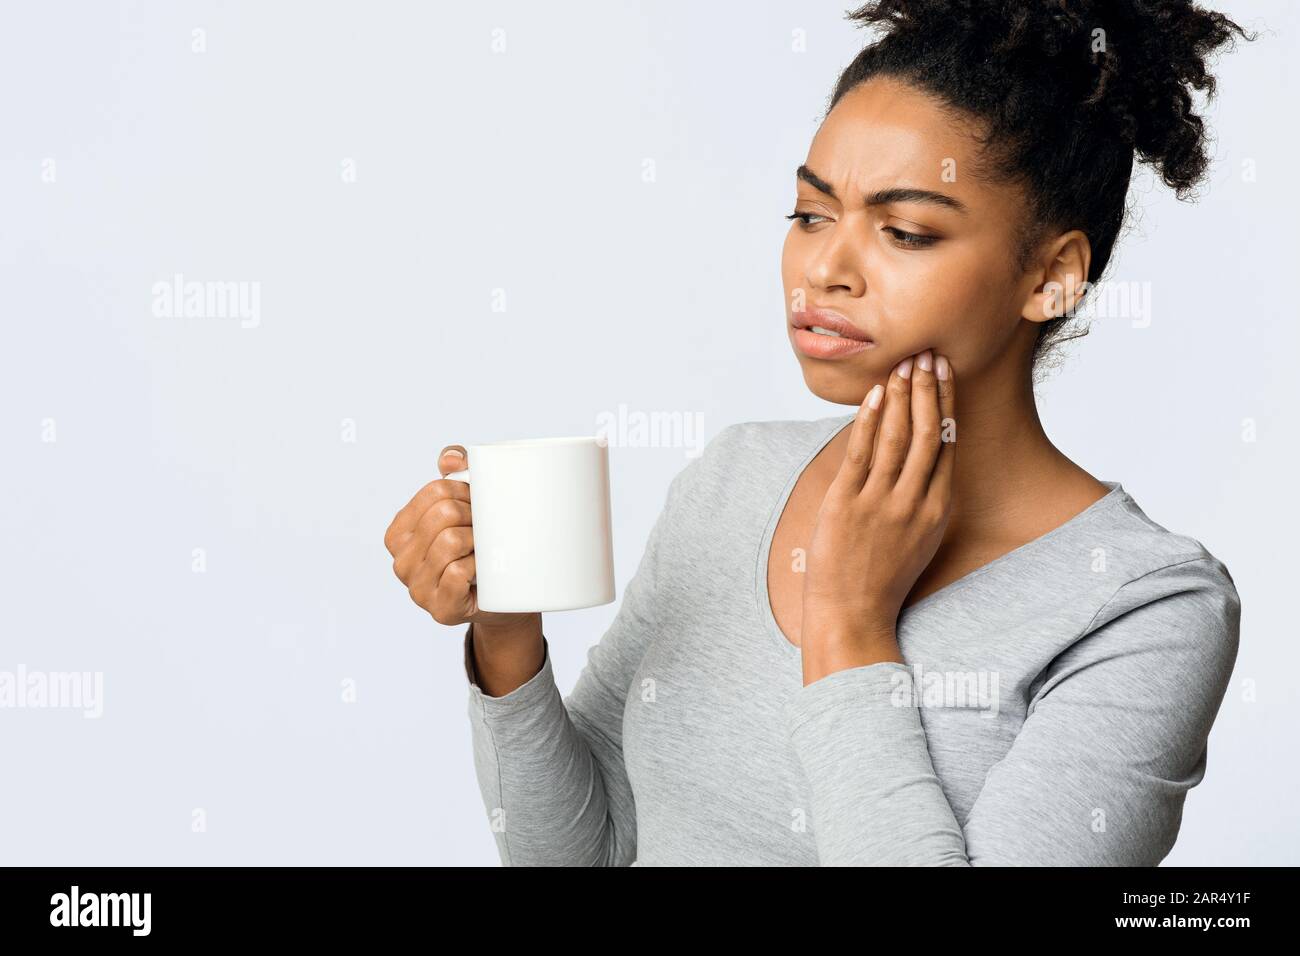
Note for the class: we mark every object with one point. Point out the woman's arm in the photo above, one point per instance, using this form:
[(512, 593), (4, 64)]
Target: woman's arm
[(551, 771), (1115, 737)]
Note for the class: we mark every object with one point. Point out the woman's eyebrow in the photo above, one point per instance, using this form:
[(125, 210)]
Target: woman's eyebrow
[(885, 196)]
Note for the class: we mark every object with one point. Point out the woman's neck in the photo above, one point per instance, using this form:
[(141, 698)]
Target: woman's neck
[(1010, 480)]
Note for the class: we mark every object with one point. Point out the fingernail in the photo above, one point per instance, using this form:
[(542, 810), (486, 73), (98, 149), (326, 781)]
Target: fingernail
[(923, 361), (873, 396), (905, 368), (454, 452), (941, 368)]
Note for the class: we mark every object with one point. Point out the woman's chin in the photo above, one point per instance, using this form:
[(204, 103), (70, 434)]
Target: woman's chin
[(844, 381), (843, 386)]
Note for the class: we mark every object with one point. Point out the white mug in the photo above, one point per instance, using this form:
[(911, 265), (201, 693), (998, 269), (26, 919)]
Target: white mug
[(541, 518)]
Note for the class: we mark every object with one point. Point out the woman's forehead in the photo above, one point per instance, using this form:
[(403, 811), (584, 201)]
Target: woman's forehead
[(884, 132)]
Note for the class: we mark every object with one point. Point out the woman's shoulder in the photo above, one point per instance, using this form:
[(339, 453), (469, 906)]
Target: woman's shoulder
[(745, 463), (1173, 579), (1148, 549), (768, 443)]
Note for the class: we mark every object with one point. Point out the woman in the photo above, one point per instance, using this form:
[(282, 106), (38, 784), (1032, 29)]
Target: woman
[(847, 643)]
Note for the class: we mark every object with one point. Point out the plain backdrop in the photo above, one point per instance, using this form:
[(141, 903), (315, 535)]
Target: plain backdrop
[(468, 222)]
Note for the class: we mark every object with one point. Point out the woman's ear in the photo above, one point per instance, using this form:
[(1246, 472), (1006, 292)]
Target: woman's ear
[(1061, 277)]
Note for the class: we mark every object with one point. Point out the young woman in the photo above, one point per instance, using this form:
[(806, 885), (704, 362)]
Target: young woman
[(849, 642)]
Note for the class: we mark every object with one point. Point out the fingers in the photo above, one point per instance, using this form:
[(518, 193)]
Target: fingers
[(895, 430), (454, 540), (455, 589), (453, 458), (446, 516), (403, 524), (941, 482), (857, 456), (449, 594), (431, 540), (440, 579), (923, 450)]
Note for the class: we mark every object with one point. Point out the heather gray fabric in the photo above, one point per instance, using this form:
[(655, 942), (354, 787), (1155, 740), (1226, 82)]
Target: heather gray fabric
[(1053, 710)]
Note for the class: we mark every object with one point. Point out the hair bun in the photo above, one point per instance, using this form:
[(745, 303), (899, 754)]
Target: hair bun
[(1124, 68)]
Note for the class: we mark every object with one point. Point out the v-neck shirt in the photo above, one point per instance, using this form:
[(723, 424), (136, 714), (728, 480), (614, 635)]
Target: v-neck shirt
[(1053, 708)]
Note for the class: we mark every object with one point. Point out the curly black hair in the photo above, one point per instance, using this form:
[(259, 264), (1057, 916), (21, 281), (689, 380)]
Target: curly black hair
[(1066, 93)]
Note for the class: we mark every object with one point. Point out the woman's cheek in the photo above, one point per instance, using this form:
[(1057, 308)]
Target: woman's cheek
[(910, 312), (792, 274)]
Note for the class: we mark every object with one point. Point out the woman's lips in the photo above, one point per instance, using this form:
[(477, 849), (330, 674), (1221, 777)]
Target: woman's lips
[(816, 345), (850, 340)]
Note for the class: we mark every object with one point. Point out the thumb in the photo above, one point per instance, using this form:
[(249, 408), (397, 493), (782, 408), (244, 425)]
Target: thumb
[(452, 458)]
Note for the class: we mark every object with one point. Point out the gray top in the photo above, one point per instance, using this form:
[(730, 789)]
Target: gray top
[(1053, 710)]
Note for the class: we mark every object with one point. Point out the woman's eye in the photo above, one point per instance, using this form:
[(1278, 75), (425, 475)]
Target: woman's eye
[(910, 239), (805, 218), (902, 238)]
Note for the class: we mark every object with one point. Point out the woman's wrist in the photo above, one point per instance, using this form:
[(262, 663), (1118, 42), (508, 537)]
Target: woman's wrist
[(508, 629), (831, 646), (506, 655)]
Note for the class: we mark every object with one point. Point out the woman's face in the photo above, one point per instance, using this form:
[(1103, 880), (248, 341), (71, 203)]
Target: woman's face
[(896, 239)]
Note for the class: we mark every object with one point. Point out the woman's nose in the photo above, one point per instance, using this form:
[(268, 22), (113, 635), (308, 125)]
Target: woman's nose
[(837, 264)]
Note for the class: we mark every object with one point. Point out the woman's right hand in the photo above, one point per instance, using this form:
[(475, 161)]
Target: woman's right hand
[(432, 543)]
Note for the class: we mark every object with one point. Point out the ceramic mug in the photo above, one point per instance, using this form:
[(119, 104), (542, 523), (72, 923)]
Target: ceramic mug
[(541, 518)]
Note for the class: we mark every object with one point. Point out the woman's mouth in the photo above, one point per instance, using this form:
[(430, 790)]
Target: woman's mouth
[(826, 335)]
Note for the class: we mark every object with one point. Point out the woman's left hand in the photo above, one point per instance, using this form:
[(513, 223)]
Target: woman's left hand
[(882, 520)]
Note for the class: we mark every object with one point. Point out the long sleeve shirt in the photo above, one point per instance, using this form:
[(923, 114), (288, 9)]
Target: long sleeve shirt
[(1054, 707)]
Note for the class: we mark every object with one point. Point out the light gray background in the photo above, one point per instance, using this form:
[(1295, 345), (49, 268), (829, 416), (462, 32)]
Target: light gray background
[(475, 171)]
